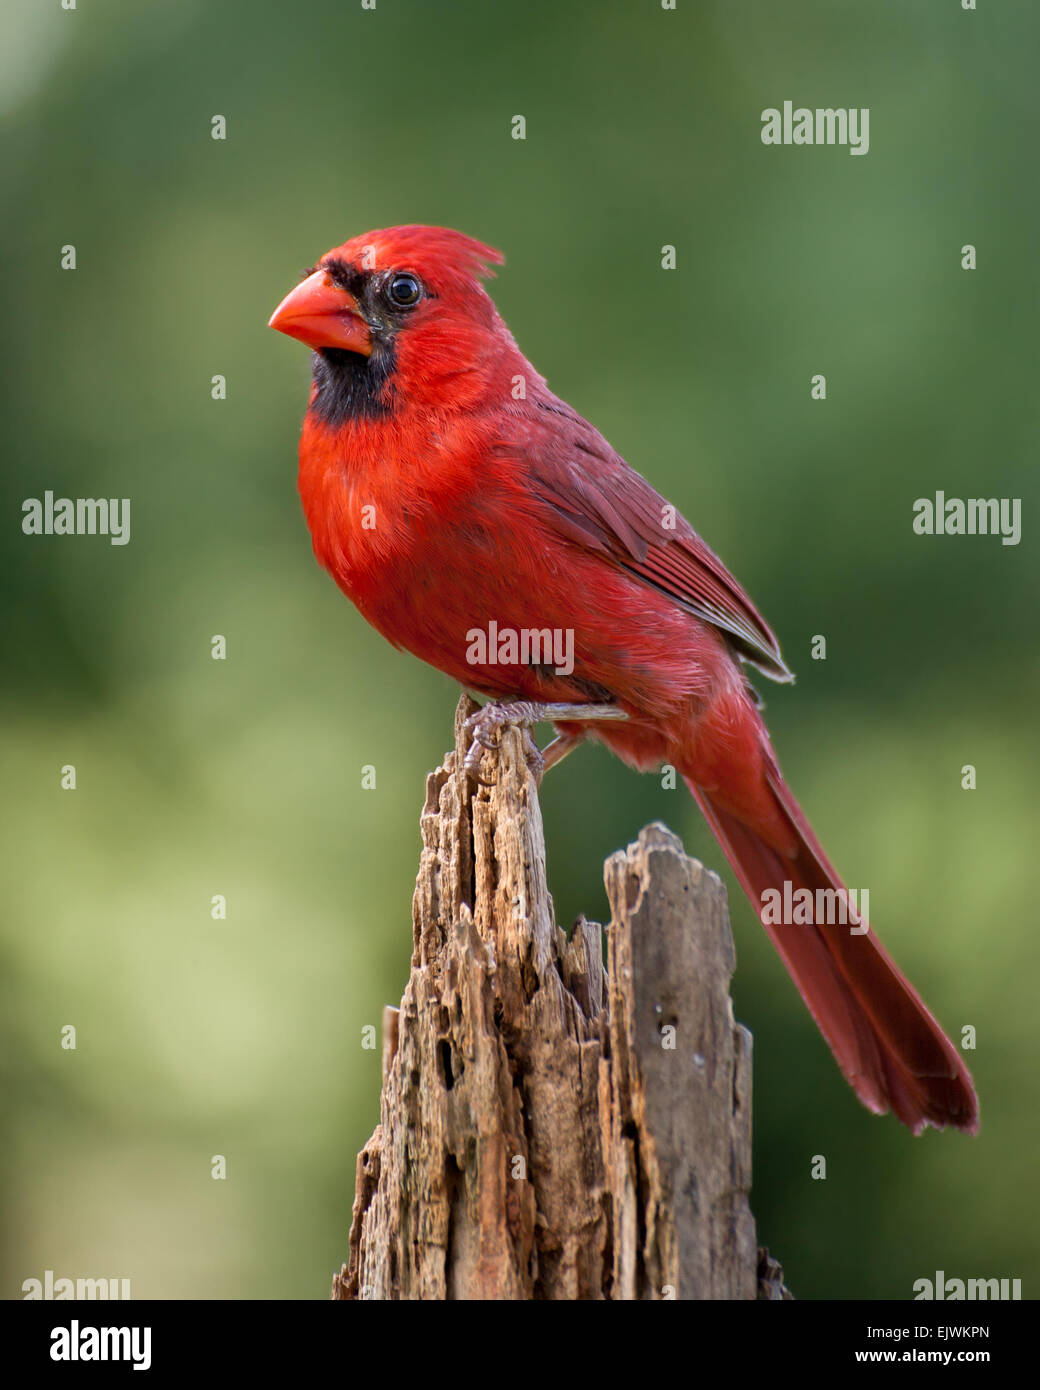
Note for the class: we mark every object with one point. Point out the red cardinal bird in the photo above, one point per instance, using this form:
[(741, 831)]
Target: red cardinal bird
[(450, 495)]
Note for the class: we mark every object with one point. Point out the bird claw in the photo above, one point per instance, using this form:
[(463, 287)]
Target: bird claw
[(491, 720), (523, 714)]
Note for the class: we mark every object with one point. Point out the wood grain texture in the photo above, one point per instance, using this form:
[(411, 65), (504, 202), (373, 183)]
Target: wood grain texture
[(550, 1129)]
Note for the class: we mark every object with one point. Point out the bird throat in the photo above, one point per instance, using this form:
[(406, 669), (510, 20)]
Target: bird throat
[(349, 386)]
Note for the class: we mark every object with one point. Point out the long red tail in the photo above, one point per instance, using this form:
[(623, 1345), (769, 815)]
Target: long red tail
[(889, 1047)]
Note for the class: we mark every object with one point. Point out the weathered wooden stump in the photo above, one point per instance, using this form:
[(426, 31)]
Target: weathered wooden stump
[(548, 1129)]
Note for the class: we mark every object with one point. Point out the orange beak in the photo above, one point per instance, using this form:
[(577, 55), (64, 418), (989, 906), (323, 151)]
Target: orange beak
[(321, 314)]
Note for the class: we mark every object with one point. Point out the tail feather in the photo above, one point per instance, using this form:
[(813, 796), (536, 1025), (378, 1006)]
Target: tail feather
[(889, 1047)]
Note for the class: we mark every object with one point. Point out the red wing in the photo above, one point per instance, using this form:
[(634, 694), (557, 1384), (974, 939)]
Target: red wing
[(595, 499)]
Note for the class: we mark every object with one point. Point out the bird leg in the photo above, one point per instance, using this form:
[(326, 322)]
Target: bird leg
[(492, 718), (555, 751)]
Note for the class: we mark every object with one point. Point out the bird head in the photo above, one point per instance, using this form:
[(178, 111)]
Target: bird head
[(398, 318)]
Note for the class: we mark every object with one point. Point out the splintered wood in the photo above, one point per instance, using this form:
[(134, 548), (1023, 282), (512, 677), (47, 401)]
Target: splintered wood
[(548, 1129)]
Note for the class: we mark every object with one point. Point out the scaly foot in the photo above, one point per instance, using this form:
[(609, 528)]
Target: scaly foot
[(486, 727)]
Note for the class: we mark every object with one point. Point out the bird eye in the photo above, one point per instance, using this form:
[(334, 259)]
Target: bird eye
[(404, 290)]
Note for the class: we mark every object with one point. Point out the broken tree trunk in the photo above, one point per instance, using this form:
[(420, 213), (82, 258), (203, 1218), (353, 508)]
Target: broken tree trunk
[(548, 1129)]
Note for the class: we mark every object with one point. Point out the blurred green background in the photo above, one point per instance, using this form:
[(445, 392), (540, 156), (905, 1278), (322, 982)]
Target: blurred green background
[(197, 777)]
